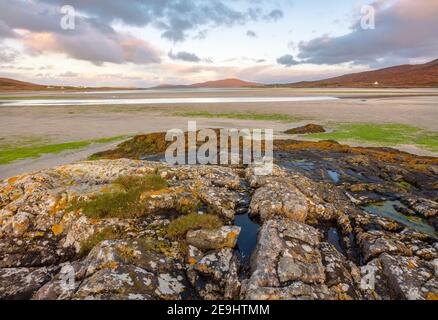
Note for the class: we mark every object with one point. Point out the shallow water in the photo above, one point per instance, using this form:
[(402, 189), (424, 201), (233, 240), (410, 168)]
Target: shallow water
[(247, 240), (335, 176), (133, 101), (334, 238), (386, 209)]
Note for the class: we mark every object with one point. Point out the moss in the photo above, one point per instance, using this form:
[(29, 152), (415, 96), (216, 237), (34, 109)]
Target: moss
[(404, 184), (179, 227), (10, 153), (109, 233), (380, 154), (121, 204), (382, 134)]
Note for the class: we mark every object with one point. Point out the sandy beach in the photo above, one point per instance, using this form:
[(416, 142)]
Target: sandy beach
[(58, 124)]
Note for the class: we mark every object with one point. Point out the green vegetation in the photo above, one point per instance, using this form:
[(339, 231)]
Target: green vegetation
[(179, 227), (121, 204), (381, 134), (242, 116), (10, 151), (109, 233)]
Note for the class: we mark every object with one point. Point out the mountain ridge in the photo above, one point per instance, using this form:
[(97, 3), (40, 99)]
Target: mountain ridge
[(401, 76)]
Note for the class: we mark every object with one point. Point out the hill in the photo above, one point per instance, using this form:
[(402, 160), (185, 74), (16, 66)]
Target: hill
[(7, 84), (403, 76), (224, 83)]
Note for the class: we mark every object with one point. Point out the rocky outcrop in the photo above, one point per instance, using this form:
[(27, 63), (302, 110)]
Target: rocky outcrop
[(287, 264), (309, 128), (316, 238)]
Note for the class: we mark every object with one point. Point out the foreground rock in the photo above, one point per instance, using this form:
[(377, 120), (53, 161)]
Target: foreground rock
[(225, 237), (318, 238)]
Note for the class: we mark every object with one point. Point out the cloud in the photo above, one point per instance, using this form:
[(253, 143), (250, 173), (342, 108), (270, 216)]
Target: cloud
[(287, 60), (404, 30), (7, 55), (6, 31), (184, 56), (175, 18), (68, 74), (90, 40), (274, 15), (251, 34)]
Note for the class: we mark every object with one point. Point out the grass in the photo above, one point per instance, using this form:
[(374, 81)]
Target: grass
[(179, 227), (242, 116), (121, 204), (10, 152), (381, 134), (109, 233)]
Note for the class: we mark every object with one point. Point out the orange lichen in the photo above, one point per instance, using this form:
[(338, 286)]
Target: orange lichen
[(432, 296), (13, 179), (57, 229)]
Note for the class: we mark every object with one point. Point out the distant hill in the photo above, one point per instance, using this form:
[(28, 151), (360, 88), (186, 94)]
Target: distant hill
[(7, 85), (225, 83), (14, 85), (403, 76)]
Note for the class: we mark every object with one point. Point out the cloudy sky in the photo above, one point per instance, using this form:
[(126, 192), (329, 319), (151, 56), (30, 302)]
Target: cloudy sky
[(150, 42)]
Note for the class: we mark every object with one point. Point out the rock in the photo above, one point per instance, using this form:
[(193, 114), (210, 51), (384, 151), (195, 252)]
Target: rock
[(310, 128), (286, 263), (373, 283), (225, 237), (21, 283), (121, 269), (374, 243), (40, 238), (215, 265), (341, 276), (64, 284), (193, 255), (424, 207), (409, 278), (279, 199), (216, 275)]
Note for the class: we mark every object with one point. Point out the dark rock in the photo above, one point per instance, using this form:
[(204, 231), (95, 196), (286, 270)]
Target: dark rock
[(310, 128)]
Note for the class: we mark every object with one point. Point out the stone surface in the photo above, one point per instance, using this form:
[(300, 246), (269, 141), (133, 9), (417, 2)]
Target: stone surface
[(225, 237), (297, 254)]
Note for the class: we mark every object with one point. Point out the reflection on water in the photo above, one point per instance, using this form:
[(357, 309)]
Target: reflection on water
[(387, 209), (334, 176), (248, 235), (132, 101)]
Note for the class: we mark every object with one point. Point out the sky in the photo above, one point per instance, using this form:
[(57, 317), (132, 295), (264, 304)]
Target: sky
[(150, 42)]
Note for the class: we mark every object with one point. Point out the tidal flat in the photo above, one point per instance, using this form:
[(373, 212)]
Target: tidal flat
[(58, 125)]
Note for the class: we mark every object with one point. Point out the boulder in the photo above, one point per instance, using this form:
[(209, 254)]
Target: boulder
[(225, 237)]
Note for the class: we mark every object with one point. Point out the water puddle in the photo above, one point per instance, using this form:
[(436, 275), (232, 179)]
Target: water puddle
[(335, 176), (334, 238), (301, 164), (133, 101), (387, 209), (248, 235), (154, 157)]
